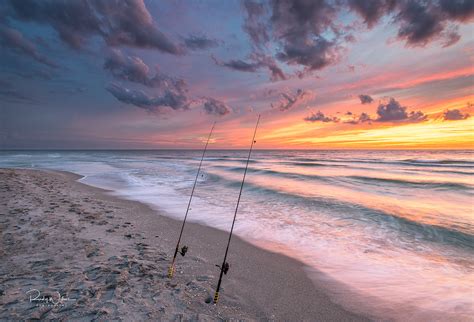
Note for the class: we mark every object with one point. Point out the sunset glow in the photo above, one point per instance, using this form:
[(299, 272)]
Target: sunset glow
[(115, 93)]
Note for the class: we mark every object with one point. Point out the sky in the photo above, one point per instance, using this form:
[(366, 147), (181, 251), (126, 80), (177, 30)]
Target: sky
[(134, 74)]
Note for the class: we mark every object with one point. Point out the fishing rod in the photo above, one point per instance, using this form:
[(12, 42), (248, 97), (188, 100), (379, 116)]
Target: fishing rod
[(225, 266), (184, 249)]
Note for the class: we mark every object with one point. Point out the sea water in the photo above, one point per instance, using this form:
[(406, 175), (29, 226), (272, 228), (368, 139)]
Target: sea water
[(394, 226)]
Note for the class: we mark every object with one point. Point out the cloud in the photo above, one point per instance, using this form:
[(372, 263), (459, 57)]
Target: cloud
[(459, 10), (314, 54), (276, 74), (362, 118), (133, 69), (118, 23), (393, 111), (216, 107), (9, 94), (257, 61), (454, 115), (303, 32), (289, 101), (172, 99), (422, 22), (300, 26), (254, 25), (200, 42), (450, 37), (389, 111), (419, 23), (320, 117), (238, 64), (128, 68), (372, 10), (15, 40), (417, 116), (365, 99), (307, 34)]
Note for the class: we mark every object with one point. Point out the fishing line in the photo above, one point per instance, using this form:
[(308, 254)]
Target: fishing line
[(184, 249), (225, 266)]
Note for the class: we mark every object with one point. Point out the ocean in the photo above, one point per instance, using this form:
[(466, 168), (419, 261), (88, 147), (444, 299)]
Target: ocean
[(391, 225)]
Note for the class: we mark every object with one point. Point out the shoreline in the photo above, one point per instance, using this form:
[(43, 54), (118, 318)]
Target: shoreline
[(260, 284)]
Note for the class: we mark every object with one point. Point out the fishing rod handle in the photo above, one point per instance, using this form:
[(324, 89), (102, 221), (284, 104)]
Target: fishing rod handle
[(171, 271)]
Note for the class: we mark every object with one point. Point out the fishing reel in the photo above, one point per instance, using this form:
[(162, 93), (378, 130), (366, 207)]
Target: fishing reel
[(183, 250), (225, 269)]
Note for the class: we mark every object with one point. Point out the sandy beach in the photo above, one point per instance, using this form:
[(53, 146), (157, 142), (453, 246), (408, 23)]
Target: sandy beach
[(71, 251)]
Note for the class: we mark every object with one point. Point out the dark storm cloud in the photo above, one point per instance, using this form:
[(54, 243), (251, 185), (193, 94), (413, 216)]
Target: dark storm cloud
[(299, 26), (393, 111), (173, 99), (289, 101), (200, 42), (216, 107), (314, 54), (419, 23), (365, 99), (372, 10), (133, 69), (296, 19), (320, 117), (128, 68), (133, 97), (14, 39), (454, 115), (422, 22), (460, 10), (126, 22), (307, 35)]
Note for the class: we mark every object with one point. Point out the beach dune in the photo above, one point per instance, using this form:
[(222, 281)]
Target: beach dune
[(71, 251)]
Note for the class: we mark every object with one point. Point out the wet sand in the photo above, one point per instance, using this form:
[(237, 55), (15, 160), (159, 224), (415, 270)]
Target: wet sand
[(108, 259)]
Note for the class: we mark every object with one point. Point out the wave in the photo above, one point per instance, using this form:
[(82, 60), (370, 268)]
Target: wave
[(442, 171), (365, 179), (315, 164), (414, 162), (357, 212), (275, 173), (415, 184), (242, 160), (443, 161)]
